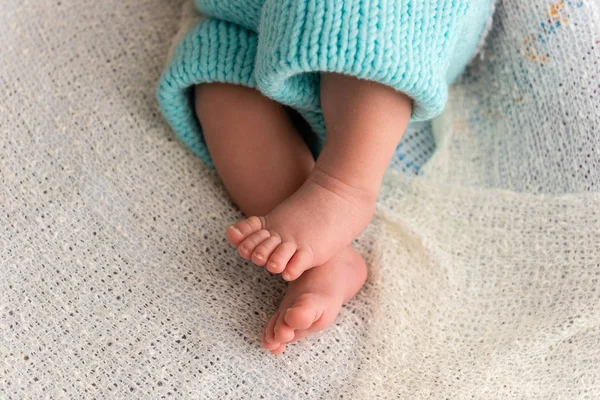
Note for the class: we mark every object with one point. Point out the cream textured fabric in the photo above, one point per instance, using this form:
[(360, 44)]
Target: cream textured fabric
[(116, 282)]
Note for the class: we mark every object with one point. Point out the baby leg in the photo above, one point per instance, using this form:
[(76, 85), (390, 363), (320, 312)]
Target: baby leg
[(258, 154), (365, 121), (262, 160)]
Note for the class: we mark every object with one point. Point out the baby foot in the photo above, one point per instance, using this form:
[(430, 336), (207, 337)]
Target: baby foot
[(307, 229), (313, 301)]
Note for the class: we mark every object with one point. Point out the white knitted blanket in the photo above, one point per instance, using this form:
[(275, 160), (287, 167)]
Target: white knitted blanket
[(116, 282)]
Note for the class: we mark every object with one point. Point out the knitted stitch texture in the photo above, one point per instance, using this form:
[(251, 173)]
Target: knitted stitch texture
[(409, 45), (417, 47), (242, 12)]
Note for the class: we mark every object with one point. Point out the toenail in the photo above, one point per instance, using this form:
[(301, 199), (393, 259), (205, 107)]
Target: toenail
[(244, 249), (259, 256), (236, 230), (286, 275), (273, 264)]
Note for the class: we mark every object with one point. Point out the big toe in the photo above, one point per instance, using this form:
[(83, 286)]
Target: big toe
[(283, 332), (300, 262), (307, 310), (281, 256), (239, 231)]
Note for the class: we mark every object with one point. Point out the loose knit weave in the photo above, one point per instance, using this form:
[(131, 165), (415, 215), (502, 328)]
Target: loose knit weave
[(416, 47), (116, 281)]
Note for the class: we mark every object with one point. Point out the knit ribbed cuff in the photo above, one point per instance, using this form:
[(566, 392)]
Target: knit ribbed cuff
[(245, 13), (213, 51), (405, 44)]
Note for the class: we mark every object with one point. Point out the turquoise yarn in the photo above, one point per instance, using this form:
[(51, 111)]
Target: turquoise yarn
[(245, 13), (411, 45), (280, 47)]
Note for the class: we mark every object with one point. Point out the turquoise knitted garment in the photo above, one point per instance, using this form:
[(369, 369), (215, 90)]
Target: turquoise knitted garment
[(280, 47)]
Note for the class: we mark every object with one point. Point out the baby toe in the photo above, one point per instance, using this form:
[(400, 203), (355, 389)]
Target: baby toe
[(279, 350), (263, 251), (280, 257), (268, 345), (249, 244), (269, 331), (242, 229), (299, 335), (300, 262), (304, 313), (283, 332)]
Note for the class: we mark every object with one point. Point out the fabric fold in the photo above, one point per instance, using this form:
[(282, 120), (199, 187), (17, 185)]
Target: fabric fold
[(412, 46)]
